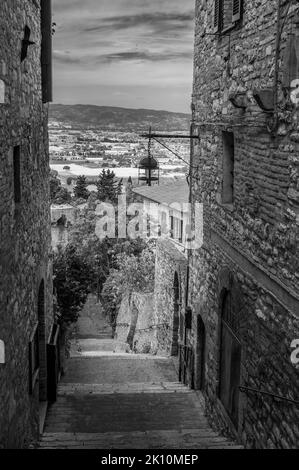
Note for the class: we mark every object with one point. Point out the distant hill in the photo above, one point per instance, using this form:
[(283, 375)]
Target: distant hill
[(120, 119)]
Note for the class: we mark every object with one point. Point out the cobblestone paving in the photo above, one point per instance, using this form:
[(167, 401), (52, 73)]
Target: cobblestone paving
[(122, 400)]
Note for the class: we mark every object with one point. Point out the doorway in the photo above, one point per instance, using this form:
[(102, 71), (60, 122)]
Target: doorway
[(230, 358), (201, 346), (176, 316), (42, 354)]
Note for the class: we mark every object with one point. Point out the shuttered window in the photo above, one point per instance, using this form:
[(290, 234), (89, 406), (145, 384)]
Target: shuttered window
[(226, 14), (217, 15), (46, 50), (236, 10)]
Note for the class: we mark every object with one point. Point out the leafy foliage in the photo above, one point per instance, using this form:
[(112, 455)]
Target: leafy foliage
[(100, 254), (72, 279), (133, 273), (58, 194)]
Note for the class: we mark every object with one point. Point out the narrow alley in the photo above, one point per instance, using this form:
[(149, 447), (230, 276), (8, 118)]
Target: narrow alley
[(111, 399)]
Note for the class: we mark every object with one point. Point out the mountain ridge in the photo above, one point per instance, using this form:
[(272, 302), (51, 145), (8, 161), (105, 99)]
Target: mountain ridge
[(84, 116)]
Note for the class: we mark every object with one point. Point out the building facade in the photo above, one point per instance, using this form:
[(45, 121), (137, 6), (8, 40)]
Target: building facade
[(243, 282), (25, 289), (167, 207)]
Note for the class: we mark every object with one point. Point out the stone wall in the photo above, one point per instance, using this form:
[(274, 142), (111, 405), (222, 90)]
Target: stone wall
[(153, 323), (250, 246), (24, 222), (135, 323), (170, 262)]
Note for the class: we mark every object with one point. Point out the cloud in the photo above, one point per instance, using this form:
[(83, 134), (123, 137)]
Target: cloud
[(121, 45), (156, 22), (65, 57), (144, 56)]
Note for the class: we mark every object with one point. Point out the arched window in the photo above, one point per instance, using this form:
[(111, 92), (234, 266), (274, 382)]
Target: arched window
[(230, 357)]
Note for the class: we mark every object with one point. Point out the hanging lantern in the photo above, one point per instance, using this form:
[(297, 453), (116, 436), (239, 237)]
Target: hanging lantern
[(148, 170)]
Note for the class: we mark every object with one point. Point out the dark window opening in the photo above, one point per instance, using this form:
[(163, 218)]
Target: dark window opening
[(17, 174), (62, 221), (230, 361), (228, 167)]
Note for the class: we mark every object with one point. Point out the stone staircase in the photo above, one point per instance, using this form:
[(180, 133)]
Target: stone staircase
[(110, 399), (129, 416)]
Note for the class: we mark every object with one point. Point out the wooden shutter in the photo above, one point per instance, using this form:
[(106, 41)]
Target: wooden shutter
[(217, 15), (237, 10), (46, 50)]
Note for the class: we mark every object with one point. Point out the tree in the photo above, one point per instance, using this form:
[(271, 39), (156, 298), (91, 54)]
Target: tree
[(108, 187), (72, 279), (101, 254), (133, 273), (55, 185), (80, 189), (62, 196)]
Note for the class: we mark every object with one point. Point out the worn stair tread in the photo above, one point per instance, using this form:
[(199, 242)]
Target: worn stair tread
[(164, 387), (190, 438)]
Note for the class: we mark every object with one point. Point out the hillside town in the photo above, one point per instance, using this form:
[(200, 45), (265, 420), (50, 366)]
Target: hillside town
[(85, 152), (149, 291)]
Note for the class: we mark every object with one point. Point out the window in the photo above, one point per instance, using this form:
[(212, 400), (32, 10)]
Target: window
[(2, 92), (46, 50), (176, 228), (230, 359), (227, 13), (228, 167), (17, 174), (2, 352)]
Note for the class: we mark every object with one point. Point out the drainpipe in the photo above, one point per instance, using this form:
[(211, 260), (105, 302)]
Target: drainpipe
[(276, 69)]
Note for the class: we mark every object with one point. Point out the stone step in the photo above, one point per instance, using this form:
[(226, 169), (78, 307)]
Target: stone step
[(127, 388), (121, 412), (157, 439)]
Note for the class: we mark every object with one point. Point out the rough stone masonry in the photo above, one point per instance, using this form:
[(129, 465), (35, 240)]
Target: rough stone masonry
[(25, 269), (244, 280)]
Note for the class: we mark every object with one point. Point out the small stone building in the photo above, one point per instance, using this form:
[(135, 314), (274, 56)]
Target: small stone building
[(25, 237), (168, 203), (243, 283)]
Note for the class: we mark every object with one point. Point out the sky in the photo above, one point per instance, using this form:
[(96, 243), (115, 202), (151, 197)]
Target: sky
[(128, 53)]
